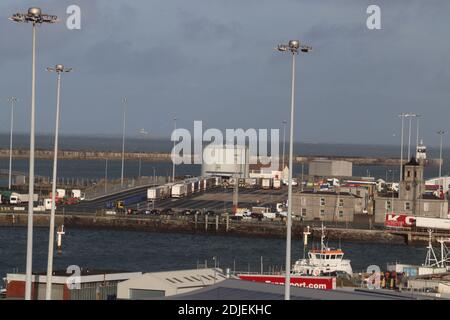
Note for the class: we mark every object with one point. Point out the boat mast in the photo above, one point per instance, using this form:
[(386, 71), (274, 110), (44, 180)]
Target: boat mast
[(431, 259), (322, 238), (305, 240)]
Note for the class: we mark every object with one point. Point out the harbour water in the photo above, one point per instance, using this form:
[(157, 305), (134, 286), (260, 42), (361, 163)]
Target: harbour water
[(146, 251)]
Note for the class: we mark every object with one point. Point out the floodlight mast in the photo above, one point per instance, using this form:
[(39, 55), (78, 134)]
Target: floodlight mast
[(294, 47), (34, 16)]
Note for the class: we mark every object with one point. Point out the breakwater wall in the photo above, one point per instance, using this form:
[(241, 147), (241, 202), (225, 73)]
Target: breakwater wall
[(201, 225), (165, 157)]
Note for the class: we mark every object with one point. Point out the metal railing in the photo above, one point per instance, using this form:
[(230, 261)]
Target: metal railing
[(104, 188)]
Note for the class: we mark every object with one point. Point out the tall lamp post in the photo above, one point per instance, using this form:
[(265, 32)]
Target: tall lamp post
[(410, 116), (124, 102), (417, 129), (402, 116), (11, 100), (293, 47), (173, 163), (59, 69), (284, 143), (441, 133), (35, 17)]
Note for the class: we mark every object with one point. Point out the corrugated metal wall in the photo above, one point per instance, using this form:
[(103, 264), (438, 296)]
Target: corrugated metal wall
[(95, 291)]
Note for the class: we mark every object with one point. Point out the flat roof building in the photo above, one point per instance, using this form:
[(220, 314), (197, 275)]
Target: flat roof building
[(330, 168), (90, 285), (168, 283)]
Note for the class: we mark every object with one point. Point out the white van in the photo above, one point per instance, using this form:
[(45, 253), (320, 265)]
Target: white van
[(14, 199)]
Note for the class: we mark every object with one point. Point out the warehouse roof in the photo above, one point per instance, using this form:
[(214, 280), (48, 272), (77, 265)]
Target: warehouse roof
[(232, 289), (177, 279)]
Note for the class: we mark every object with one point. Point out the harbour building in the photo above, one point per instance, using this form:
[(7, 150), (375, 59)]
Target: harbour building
[(411, 199)]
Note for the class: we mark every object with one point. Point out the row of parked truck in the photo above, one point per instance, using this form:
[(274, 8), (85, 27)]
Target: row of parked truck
[(11, 197), (183, 188)]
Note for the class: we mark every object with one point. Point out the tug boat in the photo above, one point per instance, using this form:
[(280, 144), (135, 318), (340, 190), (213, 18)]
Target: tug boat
[(318, 271)]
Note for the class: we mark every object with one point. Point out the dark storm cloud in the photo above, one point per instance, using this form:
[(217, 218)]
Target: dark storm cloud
[(110, 56), (215, 61)]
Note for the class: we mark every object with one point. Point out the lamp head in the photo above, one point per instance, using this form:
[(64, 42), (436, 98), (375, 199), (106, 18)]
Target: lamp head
[(294, 44), (35, 12)]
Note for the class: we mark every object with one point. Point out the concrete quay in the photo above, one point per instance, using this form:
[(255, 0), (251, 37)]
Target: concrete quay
[(222, 225)]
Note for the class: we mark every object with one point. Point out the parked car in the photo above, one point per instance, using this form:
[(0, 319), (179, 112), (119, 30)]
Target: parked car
[(155, 212), (187, 212), (167, 211), (144, 211), (256, 215), (131, 211), (210, 213)]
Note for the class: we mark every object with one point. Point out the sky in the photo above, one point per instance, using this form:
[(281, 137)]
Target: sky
[(215, 61)]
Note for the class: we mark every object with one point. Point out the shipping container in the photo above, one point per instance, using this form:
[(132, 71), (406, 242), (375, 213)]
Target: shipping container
[(159, 192), (432, 223), (180, 190)]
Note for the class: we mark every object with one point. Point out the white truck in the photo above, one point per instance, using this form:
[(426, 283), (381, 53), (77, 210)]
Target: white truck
[(159, 192), (265, 212), (181, 190), (61, 193), (276, 183), (266, 183), (17, 198), (76, 193), (48, 204)]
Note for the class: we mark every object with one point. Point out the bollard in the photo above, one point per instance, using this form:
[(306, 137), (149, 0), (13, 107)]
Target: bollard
[(217, 223), (60, 232), (228, 222), (206, 222)]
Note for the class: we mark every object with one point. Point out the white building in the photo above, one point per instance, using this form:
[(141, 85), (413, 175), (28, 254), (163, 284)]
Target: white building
[(330, 168), (161, 284), (442, 181)]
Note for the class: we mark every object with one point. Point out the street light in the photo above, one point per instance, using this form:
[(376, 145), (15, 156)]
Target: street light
[(124, 102), (294, 47), (417, 130), (36, 17), (106, 176), (11, 100), (284, 143), (441, 133), (410, 116), (173, 163), (402, 116), (59, 69)]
